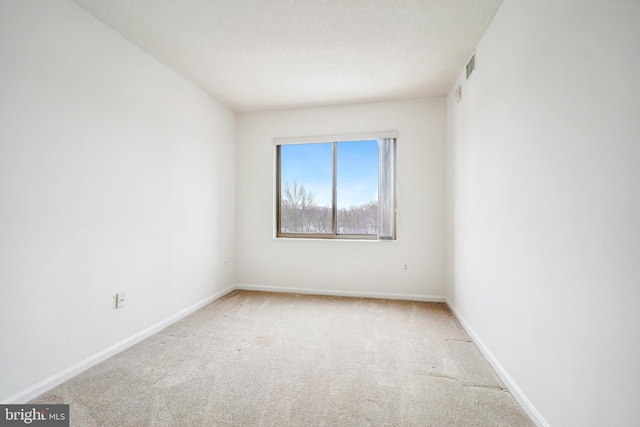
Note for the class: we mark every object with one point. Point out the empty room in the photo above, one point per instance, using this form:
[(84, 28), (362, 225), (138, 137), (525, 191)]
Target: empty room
[(301, 213)]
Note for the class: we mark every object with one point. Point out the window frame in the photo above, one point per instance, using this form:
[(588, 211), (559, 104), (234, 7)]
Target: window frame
[(333, 140)]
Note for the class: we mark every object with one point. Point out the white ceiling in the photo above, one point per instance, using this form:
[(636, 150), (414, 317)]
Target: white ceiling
[(268, 54)]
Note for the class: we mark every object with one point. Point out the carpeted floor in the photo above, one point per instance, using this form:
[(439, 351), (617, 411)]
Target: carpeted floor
[(267, 359)]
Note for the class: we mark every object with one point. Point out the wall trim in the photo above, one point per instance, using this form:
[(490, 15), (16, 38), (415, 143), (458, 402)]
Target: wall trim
[(502, 373), (338, 293), (59, 378)]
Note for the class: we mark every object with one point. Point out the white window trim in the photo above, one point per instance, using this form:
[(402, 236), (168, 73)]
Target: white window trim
[(322, 139), (331, 138)]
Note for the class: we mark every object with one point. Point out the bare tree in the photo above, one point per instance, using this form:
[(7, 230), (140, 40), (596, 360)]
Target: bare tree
[(361, 219), (297, 208), (300, 213)]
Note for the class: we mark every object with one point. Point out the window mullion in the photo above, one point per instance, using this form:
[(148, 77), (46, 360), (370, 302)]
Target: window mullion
[(278, 191), (334, 203)]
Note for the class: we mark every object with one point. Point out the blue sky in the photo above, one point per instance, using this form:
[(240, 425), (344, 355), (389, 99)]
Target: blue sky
[(310, 165)]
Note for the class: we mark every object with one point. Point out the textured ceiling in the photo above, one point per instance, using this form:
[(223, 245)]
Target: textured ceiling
[(268, 54)]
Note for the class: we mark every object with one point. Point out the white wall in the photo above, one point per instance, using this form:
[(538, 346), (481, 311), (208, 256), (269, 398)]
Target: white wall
[(115, 173), (343, 267), (544, 205)]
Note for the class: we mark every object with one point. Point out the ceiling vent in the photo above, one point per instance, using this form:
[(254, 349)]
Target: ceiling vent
[(471, 65)]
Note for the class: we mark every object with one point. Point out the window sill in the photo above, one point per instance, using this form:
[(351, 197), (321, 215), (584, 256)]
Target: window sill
[(312, 239)]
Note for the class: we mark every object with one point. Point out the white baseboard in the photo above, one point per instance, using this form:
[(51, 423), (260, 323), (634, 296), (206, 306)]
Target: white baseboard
[(506, 378), (76, 369), (337, 293)]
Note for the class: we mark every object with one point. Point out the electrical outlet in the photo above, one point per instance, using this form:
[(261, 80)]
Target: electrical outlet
[(121, 299), (405, 267)]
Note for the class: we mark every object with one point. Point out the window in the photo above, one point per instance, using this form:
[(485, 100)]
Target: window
[(336, 187)]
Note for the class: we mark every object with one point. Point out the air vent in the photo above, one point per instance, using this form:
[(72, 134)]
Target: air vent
[(471, 65)]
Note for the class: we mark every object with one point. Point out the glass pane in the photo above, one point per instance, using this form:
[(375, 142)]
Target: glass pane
[(305, 188), (358, 187)]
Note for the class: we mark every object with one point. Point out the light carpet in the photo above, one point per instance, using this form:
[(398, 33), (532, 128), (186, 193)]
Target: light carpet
[(272, 359)]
